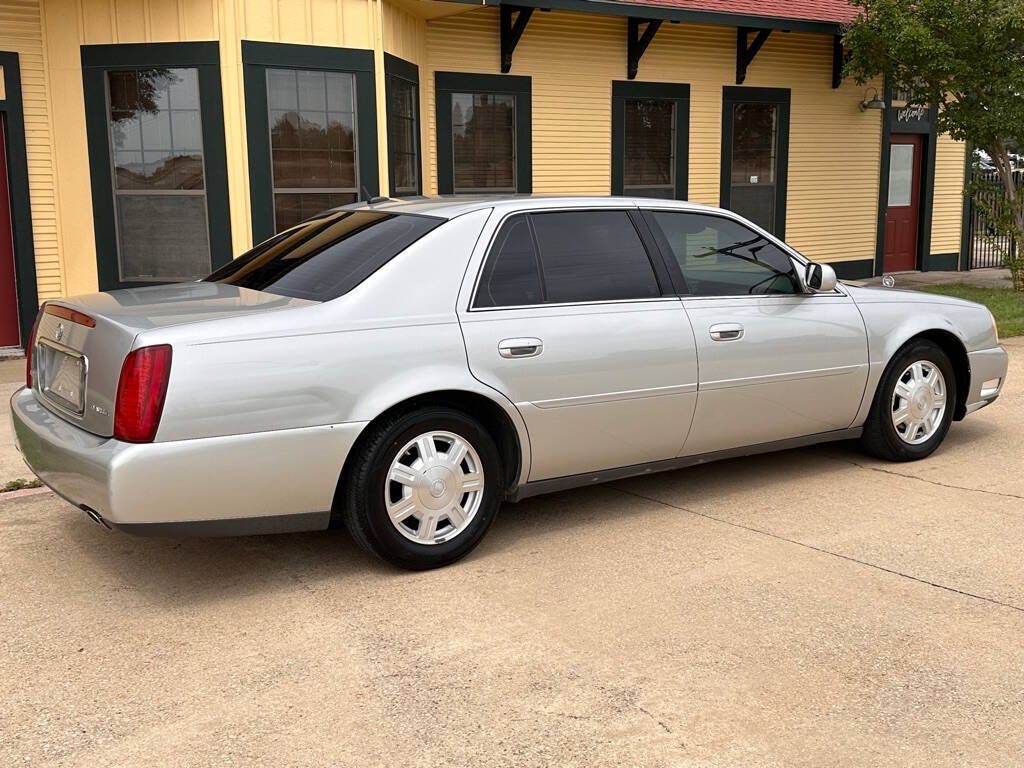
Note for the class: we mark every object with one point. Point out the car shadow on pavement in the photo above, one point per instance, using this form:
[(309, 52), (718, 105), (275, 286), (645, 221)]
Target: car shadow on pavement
[(168, 569)]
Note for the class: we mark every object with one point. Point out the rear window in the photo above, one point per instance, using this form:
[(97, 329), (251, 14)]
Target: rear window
[(327, 256)]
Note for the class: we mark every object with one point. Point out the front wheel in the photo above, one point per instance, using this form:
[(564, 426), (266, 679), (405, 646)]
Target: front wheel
[(913, 406), (424, 488)]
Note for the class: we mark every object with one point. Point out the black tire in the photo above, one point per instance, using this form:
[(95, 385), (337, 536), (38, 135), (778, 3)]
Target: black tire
[(365, 513), (880, 437)]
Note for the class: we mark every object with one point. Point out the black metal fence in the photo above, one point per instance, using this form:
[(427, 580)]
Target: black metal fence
[(985, 248)]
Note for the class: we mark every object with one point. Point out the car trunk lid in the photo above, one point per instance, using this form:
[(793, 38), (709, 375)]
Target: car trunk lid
[(81, 342)]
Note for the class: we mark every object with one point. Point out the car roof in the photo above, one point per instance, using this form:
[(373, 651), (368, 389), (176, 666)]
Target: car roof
[(450, 206)]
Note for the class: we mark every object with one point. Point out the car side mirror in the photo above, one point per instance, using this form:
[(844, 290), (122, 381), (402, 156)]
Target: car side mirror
[(820, 278)]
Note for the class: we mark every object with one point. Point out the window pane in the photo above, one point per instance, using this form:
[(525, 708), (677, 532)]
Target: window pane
[(901, 173), (326, 257), (753, 143), (156, 146), (510, 277), (720, 257), (292, 209), (483, 142), (649, 147), (156, 133), (312, 142), (593, 256), (402, 130), (162, 237)]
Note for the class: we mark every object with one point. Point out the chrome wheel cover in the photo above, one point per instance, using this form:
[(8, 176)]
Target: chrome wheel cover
[(434, 487), (919, 402)]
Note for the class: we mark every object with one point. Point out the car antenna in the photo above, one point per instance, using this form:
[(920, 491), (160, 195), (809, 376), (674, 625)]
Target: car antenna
[(371, 200)]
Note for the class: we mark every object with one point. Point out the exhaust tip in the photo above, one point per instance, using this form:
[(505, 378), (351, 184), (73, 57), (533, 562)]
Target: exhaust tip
[(96, 517)]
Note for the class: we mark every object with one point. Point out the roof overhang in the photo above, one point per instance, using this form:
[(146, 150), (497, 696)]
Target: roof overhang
[(648, 11)]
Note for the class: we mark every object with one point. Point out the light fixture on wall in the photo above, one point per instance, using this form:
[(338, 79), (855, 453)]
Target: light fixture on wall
[(873, 102)]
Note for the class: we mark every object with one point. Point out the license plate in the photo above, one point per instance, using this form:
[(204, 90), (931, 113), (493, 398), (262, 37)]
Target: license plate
[(62, 378)]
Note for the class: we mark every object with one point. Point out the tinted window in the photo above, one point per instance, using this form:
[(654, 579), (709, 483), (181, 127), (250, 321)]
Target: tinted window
[(327, 256), (510, 277), (592, 256), (720, 257)]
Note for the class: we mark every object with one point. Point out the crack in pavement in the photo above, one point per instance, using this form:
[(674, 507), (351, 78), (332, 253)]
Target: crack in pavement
[(821, 550), (923, 479)]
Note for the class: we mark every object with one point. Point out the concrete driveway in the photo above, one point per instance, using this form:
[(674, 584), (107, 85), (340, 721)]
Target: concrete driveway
[(808, 608)]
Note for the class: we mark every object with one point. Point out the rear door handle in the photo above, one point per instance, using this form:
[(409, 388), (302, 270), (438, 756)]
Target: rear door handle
[(513, 348), (726, 331)]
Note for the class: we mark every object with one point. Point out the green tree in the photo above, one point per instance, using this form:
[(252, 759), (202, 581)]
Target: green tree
[(966, 57)]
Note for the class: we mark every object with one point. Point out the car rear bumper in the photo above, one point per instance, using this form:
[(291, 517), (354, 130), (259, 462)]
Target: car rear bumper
[(257, 483), (988, 374)]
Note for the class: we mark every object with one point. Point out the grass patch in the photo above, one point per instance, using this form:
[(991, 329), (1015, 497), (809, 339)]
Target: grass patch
[(1005, 304), (20, 484)]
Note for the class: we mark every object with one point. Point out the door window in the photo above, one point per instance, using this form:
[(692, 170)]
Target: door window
[(567, 257), (649, 148), (901, 174), (312, 142), (159, 182), (754, 146), (721, 257)]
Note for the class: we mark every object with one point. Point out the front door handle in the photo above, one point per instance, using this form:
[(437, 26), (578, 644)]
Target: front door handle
[(726, 331), (513, 348)]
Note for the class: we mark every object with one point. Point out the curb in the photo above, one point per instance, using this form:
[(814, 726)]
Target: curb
[(24, 492)]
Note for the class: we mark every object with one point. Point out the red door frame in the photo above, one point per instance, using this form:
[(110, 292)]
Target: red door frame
[(903, 222), (10, 334)]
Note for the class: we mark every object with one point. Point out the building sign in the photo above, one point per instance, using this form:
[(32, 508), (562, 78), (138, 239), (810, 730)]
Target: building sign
[(911, 119)]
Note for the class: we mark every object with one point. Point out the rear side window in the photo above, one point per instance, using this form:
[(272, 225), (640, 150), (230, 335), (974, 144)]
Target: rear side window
[(511, 277), (564, 257), (327, 256)]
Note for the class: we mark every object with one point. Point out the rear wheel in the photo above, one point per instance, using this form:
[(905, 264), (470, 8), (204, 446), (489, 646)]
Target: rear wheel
[(424, 488), (913, 406)]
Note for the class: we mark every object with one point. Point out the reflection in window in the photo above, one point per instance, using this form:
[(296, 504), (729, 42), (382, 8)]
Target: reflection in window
[(484, 142), (312, 142), (649, 144), (159, 184), (753, 144), (405, 166), (721, 257)]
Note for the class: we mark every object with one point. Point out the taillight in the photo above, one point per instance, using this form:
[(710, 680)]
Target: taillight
[(28, 348), (140, 393)]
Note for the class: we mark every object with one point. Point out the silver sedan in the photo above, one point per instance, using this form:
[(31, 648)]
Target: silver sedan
[(402, 368)]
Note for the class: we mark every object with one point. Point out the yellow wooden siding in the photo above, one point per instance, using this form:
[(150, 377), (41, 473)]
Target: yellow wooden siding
[(21, 32), (948, 205), (72, 23), (834, 148)]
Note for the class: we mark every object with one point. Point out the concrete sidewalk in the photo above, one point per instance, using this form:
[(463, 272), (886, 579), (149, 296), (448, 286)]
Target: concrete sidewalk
[(12, 376), (983, 278)]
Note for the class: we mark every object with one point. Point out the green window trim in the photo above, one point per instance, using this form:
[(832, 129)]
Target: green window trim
[(205, 58), (520, 87), (13, 115), (679, 93), (401, 69), (780, 97), (256, 59)]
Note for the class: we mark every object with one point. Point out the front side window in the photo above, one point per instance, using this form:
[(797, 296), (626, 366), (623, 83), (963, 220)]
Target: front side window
[(650, 148), (159, 180), (721, 257), (484, 142), (312, 118), (566, 257), (327, 256)]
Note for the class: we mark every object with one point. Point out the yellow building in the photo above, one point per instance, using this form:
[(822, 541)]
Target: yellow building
[(153, 140)]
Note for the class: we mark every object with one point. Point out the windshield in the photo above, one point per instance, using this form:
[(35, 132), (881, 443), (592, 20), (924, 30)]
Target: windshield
[(327, 256)]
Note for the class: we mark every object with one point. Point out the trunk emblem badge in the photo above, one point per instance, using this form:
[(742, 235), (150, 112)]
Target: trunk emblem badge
[(60, 332)]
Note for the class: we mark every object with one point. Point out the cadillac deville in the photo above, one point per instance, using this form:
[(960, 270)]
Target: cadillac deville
[(404, 367)]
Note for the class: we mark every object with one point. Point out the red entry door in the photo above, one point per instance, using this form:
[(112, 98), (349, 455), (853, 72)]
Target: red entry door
[(904, 205), (9, 335)]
